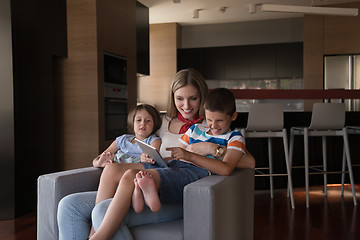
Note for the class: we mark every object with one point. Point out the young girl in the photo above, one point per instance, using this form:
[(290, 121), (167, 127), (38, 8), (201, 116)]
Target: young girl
[(143, 122)]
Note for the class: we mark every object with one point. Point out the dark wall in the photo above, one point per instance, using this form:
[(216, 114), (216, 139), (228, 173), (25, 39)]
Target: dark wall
[(39, 35), (142, 39)]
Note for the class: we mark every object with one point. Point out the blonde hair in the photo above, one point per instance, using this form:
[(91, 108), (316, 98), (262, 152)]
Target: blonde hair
[(153, 113), (183, 78)]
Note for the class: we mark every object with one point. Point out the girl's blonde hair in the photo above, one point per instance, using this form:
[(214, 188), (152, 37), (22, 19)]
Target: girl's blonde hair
[(151, 110), (183, 78)]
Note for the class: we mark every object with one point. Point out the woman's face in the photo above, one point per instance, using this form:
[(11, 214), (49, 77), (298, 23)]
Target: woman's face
[(187, 101), (143, 124)]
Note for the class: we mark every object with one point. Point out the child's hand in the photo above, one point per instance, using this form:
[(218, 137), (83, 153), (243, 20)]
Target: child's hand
[(146, 159), (105, 159), (203, 148), (179, 153)]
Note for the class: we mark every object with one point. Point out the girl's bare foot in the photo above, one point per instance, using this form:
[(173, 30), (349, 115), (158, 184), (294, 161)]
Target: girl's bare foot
[(150, 193), (137, 198)]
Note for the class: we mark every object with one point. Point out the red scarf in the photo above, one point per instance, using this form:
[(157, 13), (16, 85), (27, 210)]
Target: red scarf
[(188, 123)]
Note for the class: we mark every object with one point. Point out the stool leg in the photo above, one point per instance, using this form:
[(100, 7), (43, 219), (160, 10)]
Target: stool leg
[(288, 168), (324, 163), (343, 172), (306, 156), (348, 159), (291, 151), (270, 167)]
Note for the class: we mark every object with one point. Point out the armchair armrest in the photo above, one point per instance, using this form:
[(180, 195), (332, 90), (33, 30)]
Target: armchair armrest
[(51, 188), (220, 207)]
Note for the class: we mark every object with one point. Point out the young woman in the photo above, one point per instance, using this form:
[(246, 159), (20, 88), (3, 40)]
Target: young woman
[(184, 168), (187, 94)]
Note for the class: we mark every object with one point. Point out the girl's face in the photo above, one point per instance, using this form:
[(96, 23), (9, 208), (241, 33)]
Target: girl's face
[(187, 101), (143, 124)]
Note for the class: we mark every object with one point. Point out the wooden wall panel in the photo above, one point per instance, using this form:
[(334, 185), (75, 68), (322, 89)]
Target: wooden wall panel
[(93, 27), (313, 55), (327, 35), (78, 140), (153, 89), (342, 34)]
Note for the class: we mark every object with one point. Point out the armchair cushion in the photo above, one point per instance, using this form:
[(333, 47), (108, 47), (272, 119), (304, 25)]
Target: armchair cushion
[(215, 207)]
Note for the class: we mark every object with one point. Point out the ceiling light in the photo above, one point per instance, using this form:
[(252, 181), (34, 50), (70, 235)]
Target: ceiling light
[(222, 9), (309, 10), (196, 13), (252, 8)]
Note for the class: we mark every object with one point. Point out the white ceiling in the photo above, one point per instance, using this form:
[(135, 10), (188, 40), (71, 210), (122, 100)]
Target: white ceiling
[(164, 11)]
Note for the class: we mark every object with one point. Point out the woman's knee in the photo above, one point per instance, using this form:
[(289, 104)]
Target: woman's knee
[(98, 212), (80, 203)]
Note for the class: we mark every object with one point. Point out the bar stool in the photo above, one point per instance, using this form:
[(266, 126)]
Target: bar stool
[(350, 130), (266, 120), (328, 119)]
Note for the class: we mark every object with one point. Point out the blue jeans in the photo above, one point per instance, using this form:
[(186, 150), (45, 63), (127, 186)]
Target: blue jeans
[(167, 213), (75, 211)]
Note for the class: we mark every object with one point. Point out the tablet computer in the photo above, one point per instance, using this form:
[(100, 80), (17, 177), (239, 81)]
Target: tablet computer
[(152, 152)]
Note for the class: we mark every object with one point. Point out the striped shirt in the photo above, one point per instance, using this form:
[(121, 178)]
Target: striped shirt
[(198, 133)]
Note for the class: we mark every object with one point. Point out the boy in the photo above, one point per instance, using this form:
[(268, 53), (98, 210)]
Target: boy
[(220, 111)]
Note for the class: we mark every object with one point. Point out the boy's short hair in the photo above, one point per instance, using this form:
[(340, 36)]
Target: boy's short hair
[(153, 113), (221, 100)]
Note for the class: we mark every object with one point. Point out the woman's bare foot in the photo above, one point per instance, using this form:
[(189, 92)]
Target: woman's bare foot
[(138, 198), (150, 193)]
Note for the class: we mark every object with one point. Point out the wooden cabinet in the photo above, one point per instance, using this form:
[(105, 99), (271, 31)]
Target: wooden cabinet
[(237, 64), (189, 58), (262, 61), (213, 65), (271, 61), (289, 60)]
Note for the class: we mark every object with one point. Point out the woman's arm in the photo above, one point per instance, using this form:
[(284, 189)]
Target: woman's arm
[(224, 167), (97, 162)]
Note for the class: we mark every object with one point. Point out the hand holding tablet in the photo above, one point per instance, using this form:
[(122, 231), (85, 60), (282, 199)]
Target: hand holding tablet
[(152, 152)]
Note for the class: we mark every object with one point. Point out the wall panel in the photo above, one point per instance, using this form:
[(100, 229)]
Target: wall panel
[(153, 89), (94, 27)]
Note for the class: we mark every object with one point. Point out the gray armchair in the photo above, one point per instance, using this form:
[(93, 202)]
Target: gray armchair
[(215, 207)]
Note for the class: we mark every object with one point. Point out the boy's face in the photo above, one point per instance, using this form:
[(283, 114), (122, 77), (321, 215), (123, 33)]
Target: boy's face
[(219, 122)]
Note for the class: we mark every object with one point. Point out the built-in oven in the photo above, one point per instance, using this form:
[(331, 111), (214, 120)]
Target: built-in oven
[(115, 95), (115, 118)]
